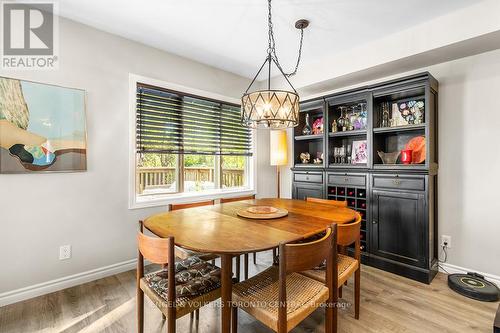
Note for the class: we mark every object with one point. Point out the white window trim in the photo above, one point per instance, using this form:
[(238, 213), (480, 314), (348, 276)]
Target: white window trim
[(164, 199)]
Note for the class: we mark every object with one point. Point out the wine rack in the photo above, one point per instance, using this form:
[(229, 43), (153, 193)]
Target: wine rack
[(356, 198)]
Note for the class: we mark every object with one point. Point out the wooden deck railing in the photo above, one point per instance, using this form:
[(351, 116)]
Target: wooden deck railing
[(164, 177)]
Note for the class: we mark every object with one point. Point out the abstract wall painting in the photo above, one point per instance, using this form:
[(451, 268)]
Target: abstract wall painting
[(42, 128)]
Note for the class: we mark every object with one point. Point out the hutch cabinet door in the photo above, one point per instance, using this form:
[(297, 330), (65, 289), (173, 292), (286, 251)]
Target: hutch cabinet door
[(302, 191), (399, 226)]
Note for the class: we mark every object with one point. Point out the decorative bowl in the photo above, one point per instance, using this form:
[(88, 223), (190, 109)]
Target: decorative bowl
[(389, 158)]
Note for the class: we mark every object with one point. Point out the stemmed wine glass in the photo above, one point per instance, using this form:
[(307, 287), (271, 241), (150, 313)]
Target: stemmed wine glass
[(349, 149)]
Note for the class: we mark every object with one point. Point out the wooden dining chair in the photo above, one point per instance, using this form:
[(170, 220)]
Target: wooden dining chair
[(162, 251), (191, 205), (185, 253), (226, 200), (245, 256), (335, 203), (281, 298), (347, 266)]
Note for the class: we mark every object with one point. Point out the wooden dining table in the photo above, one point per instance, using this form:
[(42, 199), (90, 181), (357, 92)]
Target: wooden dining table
[(218, 229)]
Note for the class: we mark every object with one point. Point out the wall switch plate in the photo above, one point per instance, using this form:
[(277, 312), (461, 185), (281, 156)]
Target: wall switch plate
[(64, 252), (446, 239)]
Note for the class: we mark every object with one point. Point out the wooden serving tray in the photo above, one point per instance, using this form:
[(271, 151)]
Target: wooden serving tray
[(262, 212)]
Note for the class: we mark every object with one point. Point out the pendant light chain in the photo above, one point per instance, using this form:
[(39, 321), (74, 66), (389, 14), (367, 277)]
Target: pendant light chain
[(273, 108), (272, 44)]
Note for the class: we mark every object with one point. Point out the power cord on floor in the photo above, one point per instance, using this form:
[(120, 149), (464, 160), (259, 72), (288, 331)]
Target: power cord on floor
[(443, 248)]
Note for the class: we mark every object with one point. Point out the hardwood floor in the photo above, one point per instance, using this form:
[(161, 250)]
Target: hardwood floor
[(388, 304)]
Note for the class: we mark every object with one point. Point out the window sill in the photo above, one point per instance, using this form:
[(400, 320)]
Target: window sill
[(166, 199)]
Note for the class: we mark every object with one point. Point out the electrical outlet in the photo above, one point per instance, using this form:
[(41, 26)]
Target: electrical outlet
[(446, 239), (64, 252)]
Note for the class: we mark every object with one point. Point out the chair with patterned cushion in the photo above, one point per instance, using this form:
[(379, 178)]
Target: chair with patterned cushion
[(180, 287), (185, 253), (348, 234), (245, 256), (281, 298)]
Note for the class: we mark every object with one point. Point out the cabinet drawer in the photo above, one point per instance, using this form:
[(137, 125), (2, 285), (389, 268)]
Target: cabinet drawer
[(308, 177), (415, 183), (347, 180)]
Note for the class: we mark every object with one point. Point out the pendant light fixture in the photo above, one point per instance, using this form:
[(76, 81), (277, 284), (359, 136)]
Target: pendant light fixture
[(271, 108)]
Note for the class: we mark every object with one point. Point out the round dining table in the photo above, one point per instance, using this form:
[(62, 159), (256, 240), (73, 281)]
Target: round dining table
[(218, 229)]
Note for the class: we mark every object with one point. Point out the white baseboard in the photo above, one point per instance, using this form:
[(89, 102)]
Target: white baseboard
[(452, 269), (22, 294)]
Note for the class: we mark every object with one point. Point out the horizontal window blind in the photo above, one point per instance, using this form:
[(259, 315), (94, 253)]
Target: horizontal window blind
[(173, 123)]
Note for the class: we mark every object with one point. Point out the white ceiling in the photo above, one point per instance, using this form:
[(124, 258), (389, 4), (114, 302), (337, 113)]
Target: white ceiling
[(232, 34)]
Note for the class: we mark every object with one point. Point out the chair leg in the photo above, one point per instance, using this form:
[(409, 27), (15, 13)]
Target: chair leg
[(357, 292), (335, 321), (171, 319), (140, 310), (171, 326), (191, 316), (213, 261), (197, 314), (255, 258), (234, 319), (238, 268), (328, 319), (246, 265), (163, 317), (274, 253), (340, 292)]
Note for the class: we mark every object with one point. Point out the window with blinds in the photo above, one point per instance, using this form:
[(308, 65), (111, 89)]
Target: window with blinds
[(173, 123), (187, 143)]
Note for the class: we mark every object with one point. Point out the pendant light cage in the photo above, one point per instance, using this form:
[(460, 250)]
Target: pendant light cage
[(272, 108)]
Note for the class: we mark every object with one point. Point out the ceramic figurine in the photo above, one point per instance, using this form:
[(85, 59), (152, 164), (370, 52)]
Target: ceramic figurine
[(305, 157)]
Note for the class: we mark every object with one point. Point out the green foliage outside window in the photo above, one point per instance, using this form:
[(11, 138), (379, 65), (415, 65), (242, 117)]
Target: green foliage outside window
[(169, 160)]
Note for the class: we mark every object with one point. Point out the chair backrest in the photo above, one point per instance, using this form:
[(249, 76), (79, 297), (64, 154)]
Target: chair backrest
[(191, 205), (226, 200), (303, 256), (348, 233), (328, 202), (156, 250)]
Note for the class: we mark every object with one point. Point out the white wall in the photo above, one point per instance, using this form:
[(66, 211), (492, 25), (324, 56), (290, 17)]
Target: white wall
[(89, 210), (469, 159)]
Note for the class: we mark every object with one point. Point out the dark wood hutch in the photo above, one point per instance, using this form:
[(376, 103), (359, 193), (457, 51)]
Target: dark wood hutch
[(398, 201)]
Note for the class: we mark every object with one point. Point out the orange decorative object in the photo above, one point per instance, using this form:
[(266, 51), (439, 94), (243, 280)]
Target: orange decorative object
[(417, 144)]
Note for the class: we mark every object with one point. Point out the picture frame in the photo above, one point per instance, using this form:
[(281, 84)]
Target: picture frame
[(359, 154), (42, 127)]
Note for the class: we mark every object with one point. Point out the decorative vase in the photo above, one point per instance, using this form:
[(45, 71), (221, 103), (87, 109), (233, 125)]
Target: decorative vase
[(334, 126), (307, 130), (406, 156)]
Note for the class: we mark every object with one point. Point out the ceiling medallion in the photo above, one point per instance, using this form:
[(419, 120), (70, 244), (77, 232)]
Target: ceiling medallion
[(271, 108)]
